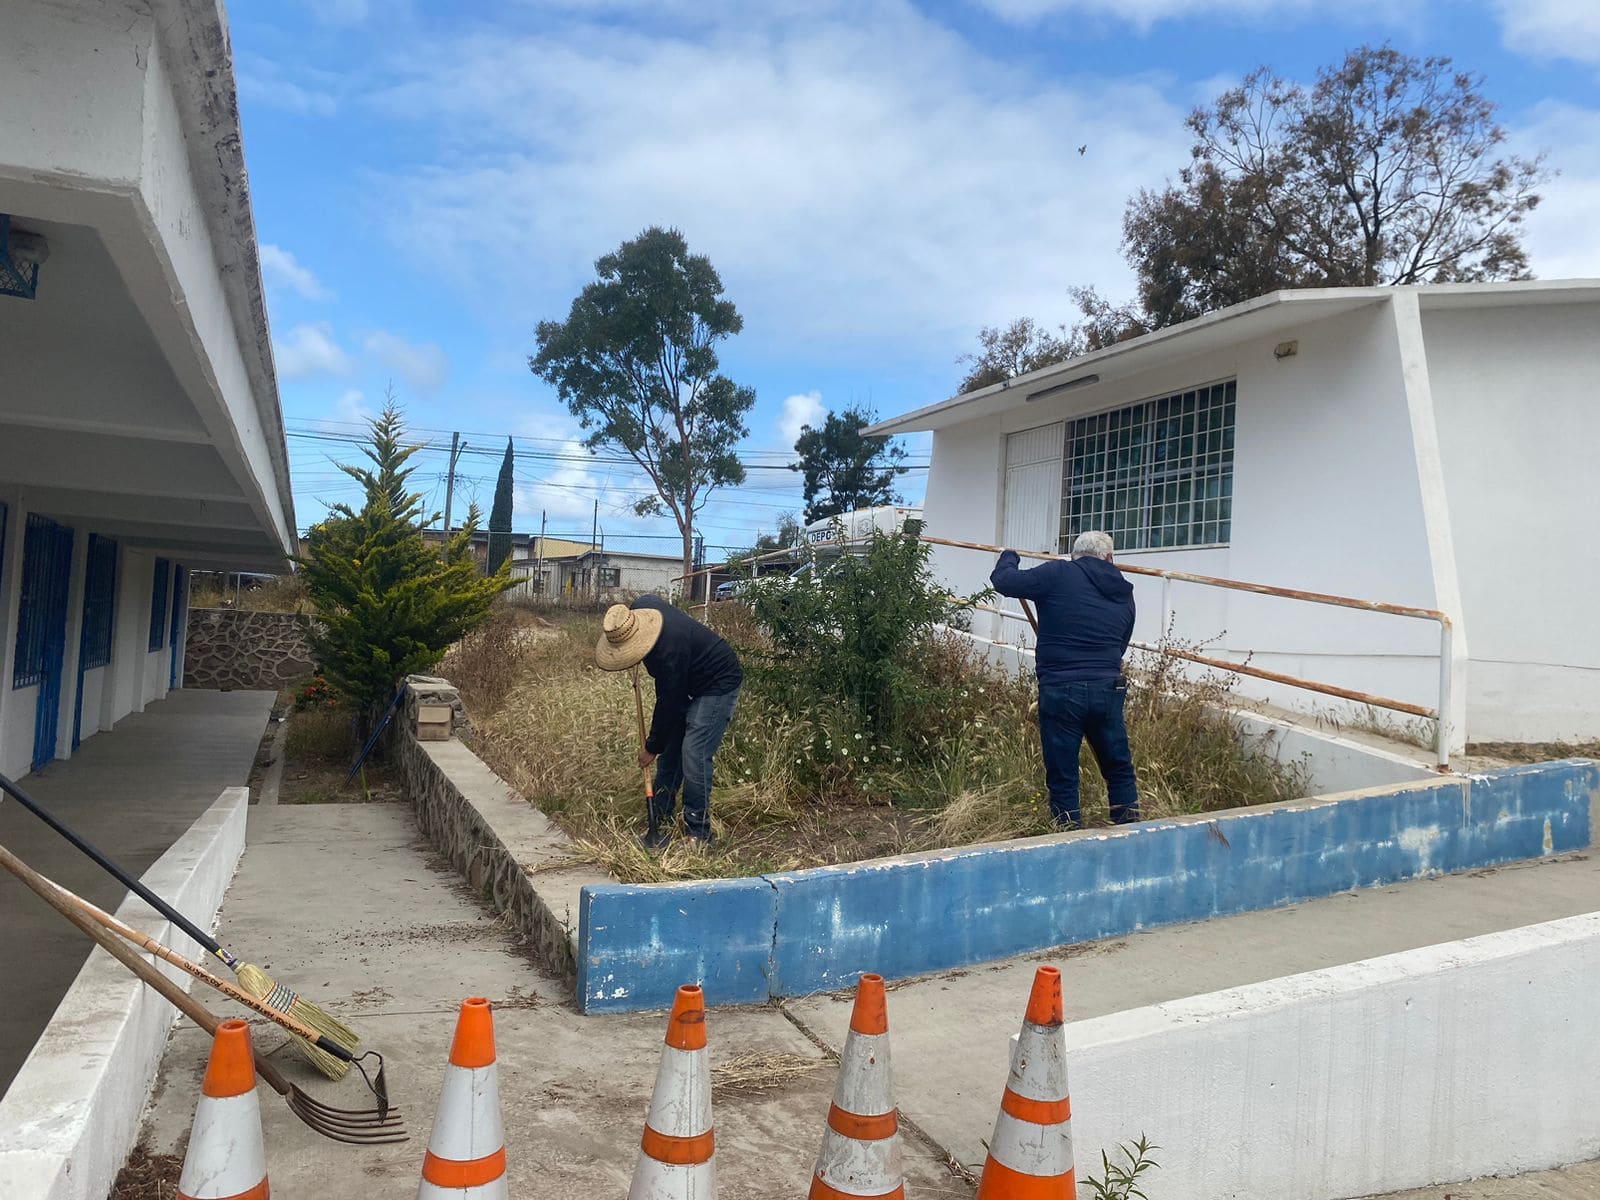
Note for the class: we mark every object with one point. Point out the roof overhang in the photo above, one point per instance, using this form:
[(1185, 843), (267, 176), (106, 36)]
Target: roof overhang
[(1276, 312), (141, 395)]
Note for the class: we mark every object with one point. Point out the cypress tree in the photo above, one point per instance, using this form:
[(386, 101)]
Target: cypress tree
[(388, 604), (500, 514)]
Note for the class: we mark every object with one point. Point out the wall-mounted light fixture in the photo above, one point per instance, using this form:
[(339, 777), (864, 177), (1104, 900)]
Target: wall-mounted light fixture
[(1285, 350), (1080, 382), (21, 255)]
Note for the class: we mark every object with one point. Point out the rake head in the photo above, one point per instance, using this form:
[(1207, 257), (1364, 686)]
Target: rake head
[(362, 1128)]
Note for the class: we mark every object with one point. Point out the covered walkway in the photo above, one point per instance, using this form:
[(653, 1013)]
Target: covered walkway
[(131, 792)]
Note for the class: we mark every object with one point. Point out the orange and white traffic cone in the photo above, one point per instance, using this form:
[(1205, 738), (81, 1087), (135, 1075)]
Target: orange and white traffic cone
[(1030, 1155), (677, 1158), (466, 1157), (226, 1159), (861, 1145)]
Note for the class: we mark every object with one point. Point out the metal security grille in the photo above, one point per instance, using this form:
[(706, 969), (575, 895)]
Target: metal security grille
[(42, 614), (158, 604), (180, 613), (1154, 474), (99, 602)]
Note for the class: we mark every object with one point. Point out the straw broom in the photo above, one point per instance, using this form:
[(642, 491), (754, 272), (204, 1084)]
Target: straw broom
[(252, 979)]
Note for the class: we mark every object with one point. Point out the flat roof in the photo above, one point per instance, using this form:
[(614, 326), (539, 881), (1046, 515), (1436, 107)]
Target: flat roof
[(1260, 317)]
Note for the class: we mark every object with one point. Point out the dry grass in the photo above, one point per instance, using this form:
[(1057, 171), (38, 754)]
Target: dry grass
[(271, 593), (1535, 752), (801, 789), (755, 1074), (147, 1176)]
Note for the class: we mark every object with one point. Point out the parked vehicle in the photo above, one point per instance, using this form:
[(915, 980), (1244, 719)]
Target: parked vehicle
[(887, 518)]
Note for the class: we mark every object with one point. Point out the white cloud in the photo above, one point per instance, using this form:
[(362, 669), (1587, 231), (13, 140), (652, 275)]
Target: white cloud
[(283, 268), (310, 350), (859, 175), (1143, 14), (423, 365), (261, 81), (1552, 28), (352, 407), (1562, 239), (800, 410)]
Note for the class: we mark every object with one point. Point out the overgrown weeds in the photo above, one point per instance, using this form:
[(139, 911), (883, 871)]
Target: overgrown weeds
[(805, 783)]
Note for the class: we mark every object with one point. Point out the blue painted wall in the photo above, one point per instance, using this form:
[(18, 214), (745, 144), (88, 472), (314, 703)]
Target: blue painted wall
[(921, 913), (637, 944)]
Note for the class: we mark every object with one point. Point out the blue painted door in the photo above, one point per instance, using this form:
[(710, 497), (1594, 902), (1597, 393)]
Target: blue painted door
[(99, 619), (180, 615), (42, 626)]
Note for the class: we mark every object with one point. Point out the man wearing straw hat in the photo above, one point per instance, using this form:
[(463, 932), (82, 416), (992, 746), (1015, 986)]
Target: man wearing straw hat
[(1085, 623), (697, 678)]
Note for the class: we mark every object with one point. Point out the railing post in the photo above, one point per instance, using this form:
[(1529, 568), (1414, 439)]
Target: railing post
[(1446, 684), (1166, 607)]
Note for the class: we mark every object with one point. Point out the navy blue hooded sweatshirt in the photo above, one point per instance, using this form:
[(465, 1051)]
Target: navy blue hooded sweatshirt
[(1085, 615)]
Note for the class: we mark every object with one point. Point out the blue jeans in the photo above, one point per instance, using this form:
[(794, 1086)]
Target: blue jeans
[(686, 763), (1070, 712)]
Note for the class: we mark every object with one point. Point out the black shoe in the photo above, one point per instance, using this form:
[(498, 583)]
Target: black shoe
[(703, 841)]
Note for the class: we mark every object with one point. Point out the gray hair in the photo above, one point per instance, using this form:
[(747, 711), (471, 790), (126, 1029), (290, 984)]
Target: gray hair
[(1093, 544)]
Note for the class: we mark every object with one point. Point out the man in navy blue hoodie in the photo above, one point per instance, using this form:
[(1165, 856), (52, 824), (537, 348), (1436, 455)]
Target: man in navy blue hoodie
[(1085, 623)]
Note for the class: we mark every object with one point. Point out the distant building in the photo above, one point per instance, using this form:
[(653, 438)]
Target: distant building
[(523, 545), (596, 574)]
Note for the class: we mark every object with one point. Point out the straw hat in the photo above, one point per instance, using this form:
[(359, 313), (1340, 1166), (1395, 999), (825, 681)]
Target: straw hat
[(628, 635)]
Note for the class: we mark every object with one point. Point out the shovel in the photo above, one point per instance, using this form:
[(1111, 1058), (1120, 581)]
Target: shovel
[(649, 788)]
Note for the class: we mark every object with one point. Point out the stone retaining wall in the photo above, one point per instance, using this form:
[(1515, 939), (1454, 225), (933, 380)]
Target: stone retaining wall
[(511, 854), (232, 648)]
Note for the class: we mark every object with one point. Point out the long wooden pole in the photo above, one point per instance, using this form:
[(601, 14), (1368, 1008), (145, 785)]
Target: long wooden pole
[(649, 788)]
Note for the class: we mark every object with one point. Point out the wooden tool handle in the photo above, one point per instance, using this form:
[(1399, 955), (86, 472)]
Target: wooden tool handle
[(159, 983), (232, 990), (638, 706)]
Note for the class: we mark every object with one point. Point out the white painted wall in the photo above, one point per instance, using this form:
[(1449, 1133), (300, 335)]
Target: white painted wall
[(1433, 1066), (72, 1113), (1326, 498), (1515, 392), (135, 576)]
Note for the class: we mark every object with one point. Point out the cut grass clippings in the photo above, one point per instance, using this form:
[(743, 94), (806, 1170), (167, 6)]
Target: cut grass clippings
[(798, 789)]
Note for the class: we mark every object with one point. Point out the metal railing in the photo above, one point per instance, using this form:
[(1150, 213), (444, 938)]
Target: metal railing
[(1440, 715)]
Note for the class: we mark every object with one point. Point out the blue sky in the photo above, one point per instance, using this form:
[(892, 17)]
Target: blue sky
[(874, 180)]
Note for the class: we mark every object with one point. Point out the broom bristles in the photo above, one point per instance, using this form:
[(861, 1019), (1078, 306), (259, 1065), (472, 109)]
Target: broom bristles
[(260, 985)]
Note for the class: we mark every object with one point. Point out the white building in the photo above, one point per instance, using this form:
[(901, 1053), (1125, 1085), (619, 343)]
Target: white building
[(596, 574), (140, 434), (1430, 447)]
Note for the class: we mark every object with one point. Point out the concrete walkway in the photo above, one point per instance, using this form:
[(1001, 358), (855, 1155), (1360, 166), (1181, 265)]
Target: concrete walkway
[(131, 792), (344, 903)]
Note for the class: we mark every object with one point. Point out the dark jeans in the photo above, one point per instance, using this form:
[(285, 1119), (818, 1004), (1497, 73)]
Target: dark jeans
[(1070, 712), (686, 763)]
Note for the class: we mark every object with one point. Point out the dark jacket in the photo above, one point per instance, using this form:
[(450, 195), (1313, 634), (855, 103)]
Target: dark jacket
[(1085, 615), (688, 661)]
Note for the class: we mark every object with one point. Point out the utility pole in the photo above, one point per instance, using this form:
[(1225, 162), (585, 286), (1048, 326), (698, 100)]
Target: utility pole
[(594, 563), (456, 447), (539, 570)]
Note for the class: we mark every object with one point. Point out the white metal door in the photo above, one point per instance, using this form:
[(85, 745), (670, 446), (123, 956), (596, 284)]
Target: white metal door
[(1032, 506), (1033, 488)]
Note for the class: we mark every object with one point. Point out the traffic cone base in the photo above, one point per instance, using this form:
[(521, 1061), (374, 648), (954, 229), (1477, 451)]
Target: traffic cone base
[(860, 1153), (466, 1158), (226, 1159), (677, 1154)]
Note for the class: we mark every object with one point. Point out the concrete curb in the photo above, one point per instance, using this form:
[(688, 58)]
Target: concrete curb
[(509, 852), (1443, 1064), (72, 1113), (916, 914)]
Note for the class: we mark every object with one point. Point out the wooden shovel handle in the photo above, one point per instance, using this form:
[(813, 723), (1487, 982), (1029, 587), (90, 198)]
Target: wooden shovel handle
[(638, 707), (159, 983)]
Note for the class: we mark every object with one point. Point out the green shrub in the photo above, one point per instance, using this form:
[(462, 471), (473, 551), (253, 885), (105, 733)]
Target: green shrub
[(855, 630)]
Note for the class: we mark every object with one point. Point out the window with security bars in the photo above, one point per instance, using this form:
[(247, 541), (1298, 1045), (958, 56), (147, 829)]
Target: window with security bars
[(1155, 474), (99, 601), (610, 577), (158, 605)]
